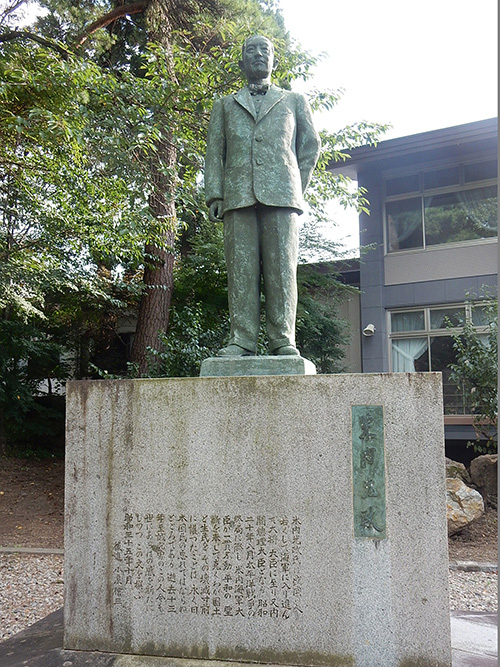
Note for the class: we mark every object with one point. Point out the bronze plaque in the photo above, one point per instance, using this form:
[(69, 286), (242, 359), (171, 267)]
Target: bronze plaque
[(368, 464)]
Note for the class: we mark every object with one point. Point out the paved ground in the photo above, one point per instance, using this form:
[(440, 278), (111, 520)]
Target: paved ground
[(474, 639), (474, 644)]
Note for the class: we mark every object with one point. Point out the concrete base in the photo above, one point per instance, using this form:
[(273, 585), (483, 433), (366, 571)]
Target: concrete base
[(40, 645), (270, 365), (258, 519)]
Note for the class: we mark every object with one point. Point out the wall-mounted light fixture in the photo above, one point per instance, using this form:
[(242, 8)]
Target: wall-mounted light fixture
[(369, 330)]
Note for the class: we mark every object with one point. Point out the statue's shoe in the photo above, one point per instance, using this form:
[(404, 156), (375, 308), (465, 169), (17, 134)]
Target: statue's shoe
[(287, 350), (234, 351)]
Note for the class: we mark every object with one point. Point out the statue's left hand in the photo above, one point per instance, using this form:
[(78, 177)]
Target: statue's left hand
[(215, 211)]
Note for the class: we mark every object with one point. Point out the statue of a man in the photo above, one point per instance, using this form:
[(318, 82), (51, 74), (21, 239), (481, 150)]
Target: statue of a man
[(261, 151)]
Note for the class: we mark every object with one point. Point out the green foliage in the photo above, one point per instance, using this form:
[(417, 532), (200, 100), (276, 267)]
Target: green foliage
[(326, 186), (41, 432), (87, 135), (475, 372), (62, 231), (199, 321), (187, 343), (321, 332), (27, 357), (200, 318), (62, 211)]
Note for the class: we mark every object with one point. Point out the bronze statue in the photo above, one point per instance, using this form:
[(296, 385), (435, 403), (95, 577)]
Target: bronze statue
[(261, 151)]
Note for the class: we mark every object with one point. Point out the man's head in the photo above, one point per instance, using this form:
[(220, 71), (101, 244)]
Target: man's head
[(257, 58)]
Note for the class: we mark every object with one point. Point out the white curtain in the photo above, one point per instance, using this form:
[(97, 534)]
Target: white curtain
[(408, 321), (405, 352)]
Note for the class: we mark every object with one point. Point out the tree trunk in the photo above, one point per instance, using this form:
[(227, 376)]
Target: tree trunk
[(158, 278), (155, 303), (154, 308)]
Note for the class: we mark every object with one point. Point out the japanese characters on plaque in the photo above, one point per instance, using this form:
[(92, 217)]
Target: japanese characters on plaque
[(227, 566), (368, 471)]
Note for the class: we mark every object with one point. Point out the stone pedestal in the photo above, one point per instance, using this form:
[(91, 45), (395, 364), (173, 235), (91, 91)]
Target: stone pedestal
[(291, 520)]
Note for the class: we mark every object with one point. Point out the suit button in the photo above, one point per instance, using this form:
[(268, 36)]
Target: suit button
[(259, 161), (258, 137)]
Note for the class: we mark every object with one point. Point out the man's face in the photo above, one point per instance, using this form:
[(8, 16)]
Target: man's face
[(257, 59)]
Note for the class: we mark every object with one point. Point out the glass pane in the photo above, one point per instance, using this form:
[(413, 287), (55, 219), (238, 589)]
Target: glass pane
[(441, 318), (480, 171), (442, 355), (441, 178), (461, 216), (404, 224), (485, 340), (453, 397), (409, 321), (482, 316), (409, 355), (401, 185)]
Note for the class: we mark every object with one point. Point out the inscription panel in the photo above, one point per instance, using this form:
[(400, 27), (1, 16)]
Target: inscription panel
[(210, 565), (368, 471)]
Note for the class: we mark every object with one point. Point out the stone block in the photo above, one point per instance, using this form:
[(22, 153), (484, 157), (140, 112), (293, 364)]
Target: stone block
[(456, 470), (484, 474), (264, 365), (463, 505), (216, 518)]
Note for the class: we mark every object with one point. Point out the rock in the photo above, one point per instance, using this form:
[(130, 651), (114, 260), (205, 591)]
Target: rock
[(457, 470), (484, 475), (463, 505)]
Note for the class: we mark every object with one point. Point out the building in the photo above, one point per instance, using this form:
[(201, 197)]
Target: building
[(432, 240)]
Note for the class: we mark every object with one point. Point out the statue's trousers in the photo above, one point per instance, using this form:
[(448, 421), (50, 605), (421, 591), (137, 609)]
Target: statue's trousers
[(254, 237)]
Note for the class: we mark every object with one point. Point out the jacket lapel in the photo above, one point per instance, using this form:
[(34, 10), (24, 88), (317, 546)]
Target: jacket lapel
[(244, 98), (271, 98)]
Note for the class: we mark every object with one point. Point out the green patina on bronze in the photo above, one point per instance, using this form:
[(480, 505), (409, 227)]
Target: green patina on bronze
[(261, 151), (368, 471)]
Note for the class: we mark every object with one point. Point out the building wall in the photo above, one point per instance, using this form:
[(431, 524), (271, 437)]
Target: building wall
[(375, 357), (350, 311), (431, 277), (405, 279), (442, 263), (435, 292)]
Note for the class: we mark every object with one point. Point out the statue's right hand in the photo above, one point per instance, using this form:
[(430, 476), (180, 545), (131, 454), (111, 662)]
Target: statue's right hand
[(215, 211)]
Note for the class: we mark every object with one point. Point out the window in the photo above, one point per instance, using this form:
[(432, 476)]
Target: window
[(421, 340), (446, 205)]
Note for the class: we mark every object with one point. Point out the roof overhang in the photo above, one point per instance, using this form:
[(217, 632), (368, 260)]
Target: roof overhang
[(451, 142)]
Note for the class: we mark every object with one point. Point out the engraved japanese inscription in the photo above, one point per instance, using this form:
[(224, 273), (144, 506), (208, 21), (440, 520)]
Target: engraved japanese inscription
[(368, 471), (210, 565)]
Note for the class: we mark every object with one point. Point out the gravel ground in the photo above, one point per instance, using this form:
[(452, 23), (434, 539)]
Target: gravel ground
[(31, 586), (473, 591)]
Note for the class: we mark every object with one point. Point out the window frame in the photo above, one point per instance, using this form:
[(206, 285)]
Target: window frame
[(422, 193), (430, 333)]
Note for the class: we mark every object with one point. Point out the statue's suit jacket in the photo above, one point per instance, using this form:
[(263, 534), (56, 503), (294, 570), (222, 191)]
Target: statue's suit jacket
[(266, 158)]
